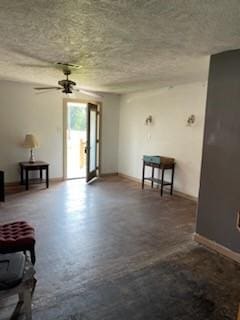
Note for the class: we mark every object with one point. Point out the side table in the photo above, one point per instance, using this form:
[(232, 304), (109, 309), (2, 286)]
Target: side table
[(25, 167), (162, 163)]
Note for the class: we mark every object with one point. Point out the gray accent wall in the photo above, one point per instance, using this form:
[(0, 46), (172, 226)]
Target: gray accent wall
[(219, 197)]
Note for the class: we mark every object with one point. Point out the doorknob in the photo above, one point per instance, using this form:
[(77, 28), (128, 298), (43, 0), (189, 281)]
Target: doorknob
[(86, 149)]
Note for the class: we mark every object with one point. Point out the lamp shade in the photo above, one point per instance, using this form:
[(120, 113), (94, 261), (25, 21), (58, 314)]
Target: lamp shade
[(30, 141)]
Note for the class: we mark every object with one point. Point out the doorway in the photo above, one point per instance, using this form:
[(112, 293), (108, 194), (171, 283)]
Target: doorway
[(81, 139)]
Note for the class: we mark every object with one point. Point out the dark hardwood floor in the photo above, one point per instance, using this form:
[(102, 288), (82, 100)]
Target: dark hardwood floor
[(111, 251)]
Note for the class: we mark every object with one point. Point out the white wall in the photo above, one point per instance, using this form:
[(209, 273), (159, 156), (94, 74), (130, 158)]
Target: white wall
[(110, 126), (125, 137), (23, 111), (168, 135)]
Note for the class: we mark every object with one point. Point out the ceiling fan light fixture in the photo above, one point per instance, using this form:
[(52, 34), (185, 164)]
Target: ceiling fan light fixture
[(67, 89), (67, 86)]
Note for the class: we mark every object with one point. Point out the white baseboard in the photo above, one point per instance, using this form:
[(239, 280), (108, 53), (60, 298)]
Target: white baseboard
[(176, 192), (59, 179), (130, 178), (212, 245), (108, 174), (17, 183)]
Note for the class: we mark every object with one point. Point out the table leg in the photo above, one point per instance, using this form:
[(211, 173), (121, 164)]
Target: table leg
[(28, 304), (27, 179), (162, 180), (33, 286), (47, 178), (40, 173), (152, 176), (17, 310), (2, 187), (20, 297), (21, 172), (172, 180), (143, 173)]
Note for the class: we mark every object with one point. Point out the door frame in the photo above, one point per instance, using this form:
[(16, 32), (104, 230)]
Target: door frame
[(92, 174), (86, 101)]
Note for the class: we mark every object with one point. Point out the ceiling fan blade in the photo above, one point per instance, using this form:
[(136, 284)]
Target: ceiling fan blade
[(47, 88), (58, 65), (29, 65), (89, 93), (69, 65), (42, 92)]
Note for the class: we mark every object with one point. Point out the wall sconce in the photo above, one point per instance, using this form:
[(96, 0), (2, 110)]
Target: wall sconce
[(148, 120), (191, 120)]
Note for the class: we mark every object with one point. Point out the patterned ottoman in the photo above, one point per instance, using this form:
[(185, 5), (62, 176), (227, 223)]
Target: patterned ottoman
[(17, 236)]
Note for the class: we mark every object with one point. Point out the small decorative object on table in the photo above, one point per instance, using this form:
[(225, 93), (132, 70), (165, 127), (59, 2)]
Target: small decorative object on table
[(162, 163)]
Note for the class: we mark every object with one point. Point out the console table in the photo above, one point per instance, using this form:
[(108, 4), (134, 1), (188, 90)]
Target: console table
[(162, 163), (25, 167)]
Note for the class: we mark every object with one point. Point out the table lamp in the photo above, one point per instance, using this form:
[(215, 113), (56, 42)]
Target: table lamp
[(31, 143)]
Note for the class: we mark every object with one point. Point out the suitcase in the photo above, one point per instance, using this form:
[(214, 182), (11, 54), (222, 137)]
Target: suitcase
[(11, 269)]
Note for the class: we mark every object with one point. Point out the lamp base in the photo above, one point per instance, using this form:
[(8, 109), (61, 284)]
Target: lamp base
[(32, 158)]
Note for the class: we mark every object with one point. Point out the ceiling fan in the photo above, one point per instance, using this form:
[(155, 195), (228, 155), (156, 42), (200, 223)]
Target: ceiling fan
[(68, 86)]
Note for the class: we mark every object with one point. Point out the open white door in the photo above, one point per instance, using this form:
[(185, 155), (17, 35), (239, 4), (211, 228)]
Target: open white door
[(92, 148)]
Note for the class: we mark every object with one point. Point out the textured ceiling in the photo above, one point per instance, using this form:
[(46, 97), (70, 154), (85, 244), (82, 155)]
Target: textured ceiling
[(121, 45)]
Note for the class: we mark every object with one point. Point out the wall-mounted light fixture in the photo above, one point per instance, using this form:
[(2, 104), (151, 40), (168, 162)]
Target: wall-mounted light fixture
[(191, 120), (148, 120)]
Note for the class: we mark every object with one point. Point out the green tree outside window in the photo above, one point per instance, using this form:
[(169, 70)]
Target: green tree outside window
[(78, 118)]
